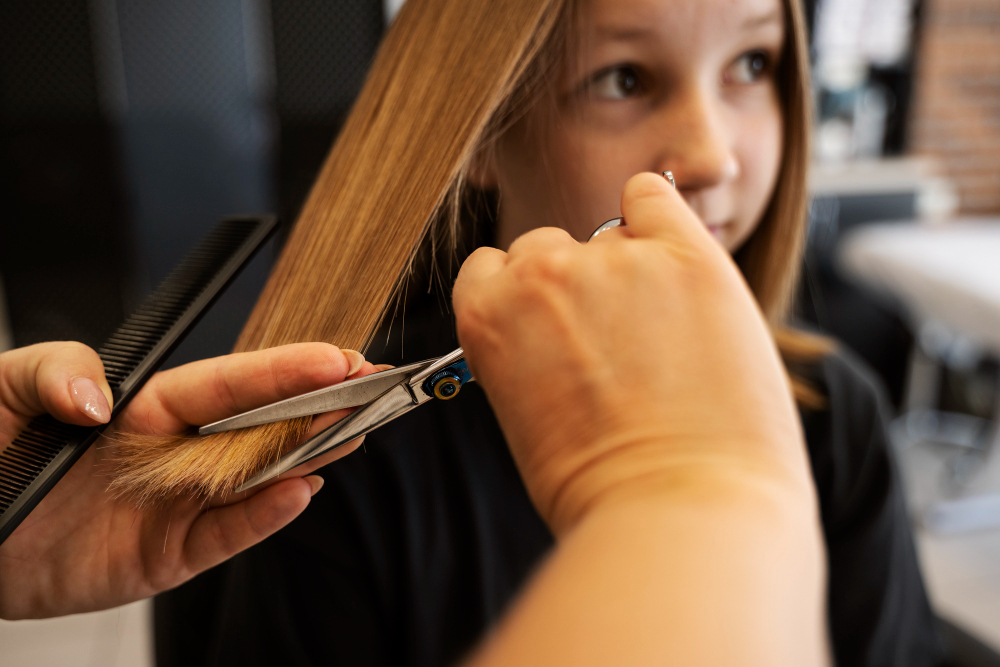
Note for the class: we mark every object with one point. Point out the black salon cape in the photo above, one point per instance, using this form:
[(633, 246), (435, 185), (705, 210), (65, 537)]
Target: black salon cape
[(417, 543)]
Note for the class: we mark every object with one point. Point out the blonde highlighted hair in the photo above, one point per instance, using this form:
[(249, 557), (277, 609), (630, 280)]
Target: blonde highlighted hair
[(448, 77)]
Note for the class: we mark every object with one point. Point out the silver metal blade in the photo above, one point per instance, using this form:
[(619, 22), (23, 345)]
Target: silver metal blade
[(394, 403), (335, 397), (433, 366)]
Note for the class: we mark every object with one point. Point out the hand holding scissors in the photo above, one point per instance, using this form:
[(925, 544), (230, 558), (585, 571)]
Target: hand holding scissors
[(384, 396)]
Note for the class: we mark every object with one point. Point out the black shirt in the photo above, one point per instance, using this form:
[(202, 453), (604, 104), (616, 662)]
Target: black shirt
[(418, 542)]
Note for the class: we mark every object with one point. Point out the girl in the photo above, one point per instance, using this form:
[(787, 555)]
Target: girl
[(416, 547)]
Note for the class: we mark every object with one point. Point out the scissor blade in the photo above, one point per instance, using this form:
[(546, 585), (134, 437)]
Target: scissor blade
[(335, 397), (394, 403)]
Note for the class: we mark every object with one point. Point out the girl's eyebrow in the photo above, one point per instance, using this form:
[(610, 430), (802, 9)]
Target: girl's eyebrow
[(627, 33), (773, 16), (619, 33)]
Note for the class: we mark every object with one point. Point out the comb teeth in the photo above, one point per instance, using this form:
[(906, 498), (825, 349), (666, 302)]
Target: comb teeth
[(141, 332), (139, 335), (46, 449), (29, 454)]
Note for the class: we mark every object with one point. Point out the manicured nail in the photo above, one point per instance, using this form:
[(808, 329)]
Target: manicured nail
[(316, 482), (90, 400), (355, 359)]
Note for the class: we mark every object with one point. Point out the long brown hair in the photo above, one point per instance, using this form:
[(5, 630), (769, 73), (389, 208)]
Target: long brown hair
[(771, 258), (448, 77)]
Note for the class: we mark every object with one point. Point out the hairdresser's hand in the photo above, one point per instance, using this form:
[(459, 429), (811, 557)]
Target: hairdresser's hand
[(634, 365), (82, 549)]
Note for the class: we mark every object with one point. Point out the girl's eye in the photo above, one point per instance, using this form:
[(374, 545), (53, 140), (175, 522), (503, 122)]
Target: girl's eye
[(615, 83), (749, 68)]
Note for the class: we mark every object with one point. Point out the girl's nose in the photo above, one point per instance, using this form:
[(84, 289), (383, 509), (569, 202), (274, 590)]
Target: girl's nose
[(697, 144)]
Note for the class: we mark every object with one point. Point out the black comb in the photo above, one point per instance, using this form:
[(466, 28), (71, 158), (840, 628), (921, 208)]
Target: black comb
[(41, 454)]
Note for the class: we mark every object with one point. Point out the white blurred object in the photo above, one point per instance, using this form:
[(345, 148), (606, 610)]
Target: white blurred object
[(839, 24), (841, 71), (888, 29), (119, 637), (851, 37), (871, 109), (948, 278), (948, 273), (392, 8), (833, 140), (857, 132), (936, 197), (852, 121), (872, 31), (961, 576), (937, 200), (949, 517)]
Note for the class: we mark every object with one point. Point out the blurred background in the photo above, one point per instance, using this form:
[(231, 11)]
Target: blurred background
[(128, 128)]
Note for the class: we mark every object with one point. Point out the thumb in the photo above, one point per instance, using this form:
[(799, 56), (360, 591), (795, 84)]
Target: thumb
[(65, 380), (653, 208)]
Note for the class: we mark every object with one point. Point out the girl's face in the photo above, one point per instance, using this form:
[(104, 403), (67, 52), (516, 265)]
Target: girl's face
[(651, 85)]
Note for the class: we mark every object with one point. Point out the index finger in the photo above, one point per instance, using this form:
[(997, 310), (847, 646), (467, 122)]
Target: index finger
[(479, 268), (206, 391)]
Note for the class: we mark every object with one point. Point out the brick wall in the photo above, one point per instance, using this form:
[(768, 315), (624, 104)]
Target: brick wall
[(956, 116)]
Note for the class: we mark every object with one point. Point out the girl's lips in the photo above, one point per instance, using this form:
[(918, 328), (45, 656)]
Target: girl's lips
[(715, 230)]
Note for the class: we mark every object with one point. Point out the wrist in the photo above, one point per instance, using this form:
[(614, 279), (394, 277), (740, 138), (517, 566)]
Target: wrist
[(706, 475), (669, 568)]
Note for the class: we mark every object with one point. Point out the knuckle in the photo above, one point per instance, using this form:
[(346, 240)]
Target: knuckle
[(545, 270), (73, 355), (226, 536), (554, 234), (75, 348), (624, 263), (479, 253), (280, 378), (157, 576), (225, 392), (697, 272), (311, 362), (256, 529), (530, 242), (472, 316), (625, 258), (648, 266)]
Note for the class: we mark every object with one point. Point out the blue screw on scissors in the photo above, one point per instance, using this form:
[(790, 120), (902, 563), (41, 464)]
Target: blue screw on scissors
[(382, 397)]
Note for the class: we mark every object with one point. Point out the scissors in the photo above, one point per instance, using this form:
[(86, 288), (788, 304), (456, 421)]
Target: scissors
[(382, 397)]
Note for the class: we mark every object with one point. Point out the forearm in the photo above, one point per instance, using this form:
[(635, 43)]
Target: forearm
[(725, 572)]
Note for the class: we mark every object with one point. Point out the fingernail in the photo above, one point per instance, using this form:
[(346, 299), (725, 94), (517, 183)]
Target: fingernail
[(89, 399), (355, 359), (316, 482)]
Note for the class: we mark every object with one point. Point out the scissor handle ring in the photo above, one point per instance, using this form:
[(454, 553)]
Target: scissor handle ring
[(447, 386)]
